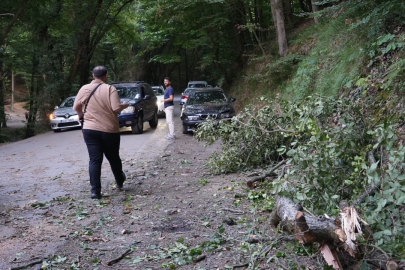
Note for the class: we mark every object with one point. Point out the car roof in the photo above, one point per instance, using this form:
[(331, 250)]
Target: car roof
[(127, 82), (211, 89), (197, 82)]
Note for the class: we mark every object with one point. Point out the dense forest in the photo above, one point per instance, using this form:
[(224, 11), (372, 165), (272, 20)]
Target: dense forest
[(319, 88), (54, 44)]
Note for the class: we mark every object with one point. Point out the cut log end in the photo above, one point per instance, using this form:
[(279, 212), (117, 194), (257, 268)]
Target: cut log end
[(303, 234)]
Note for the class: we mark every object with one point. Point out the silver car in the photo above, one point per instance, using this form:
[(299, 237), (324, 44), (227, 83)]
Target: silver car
[(64, 116)]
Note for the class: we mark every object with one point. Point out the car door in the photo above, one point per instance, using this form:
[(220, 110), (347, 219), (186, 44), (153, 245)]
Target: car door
[(140, 101), (145, 103), (152, 101)]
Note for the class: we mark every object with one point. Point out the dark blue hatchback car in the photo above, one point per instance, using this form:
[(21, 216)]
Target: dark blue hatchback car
[(142, 107)]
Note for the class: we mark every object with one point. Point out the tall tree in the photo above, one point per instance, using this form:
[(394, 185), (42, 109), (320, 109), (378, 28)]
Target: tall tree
[(13, 10), (277, 8), (93, 28), (315, 8)]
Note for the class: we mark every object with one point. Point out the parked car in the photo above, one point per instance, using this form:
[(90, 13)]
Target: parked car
[(160, 94), (197, 84), (206, 103), (142, 105), (64, 117), (185, 94)]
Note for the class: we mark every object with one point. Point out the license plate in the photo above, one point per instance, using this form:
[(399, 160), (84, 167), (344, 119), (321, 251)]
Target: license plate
[(66, 120)]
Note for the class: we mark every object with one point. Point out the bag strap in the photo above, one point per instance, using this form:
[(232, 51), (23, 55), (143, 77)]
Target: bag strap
[(87, 102)]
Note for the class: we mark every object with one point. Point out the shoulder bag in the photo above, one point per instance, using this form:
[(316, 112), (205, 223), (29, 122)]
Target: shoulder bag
[(87, 102)]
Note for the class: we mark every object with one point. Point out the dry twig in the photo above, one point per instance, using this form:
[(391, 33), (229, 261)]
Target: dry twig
[(119, 258), (27, 265)]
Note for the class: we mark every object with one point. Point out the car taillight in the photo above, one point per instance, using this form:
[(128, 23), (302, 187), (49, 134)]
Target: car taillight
[(184, 97)]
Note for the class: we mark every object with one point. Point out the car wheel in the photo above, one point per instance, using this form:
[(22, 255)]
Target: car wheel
[(185, 131), (57, 130), (137, 128), (154, 122)]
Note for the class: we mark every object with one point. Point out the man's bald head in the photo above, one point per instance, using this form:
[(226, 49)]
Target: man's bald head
[(99, 72)]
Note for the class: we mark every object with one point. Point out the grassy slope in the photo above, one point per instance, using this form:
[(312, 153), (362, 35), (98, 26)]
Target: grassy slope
[(323, 58), (358, 50)]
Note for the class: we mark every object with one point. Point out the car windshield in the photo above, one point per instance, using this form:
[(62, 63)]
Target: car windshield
[(188, 90), (67, 103), (196, 98), (158, 91), (128, 92)]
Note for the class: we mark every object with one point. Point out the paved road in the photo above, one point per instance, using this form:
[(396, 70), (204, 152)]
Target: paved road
[(56, 164)]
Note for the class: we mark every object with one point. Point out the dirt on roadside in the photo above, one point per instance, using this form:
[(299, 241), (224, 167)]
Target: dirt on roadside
[(16, 117), (172, 214)]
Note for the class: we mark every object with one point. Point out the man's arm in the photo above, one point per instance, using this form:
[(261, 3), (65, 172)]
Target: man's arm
[(171, 98)]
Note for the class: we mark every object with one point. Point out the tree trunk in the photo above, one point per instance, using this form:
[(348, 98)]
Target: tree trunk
[(3, 122), (259, 20), (274, 16), (32, 115), (307, 229), (277, 6), (3, 35), (315, 8)]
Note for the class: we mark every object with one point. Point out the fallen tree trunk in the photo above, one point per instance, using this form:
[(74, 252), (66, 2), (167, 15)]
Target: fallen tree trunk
[(307, 229)]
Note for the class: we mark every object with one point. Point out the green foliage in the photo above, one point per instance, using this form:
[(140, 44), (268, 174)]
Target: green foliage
[(181, 253), (328, 143), (203, 181), (243, 148)]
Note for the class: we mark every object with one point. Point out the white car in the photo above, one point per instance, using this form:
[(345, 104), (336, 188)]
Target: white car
[(160, 93), (64, 116)]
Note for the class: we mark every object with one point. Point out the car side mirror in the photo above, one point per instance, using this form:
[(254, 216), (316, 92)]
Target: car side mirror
[(56, 107), (147, 97), (233, 100)]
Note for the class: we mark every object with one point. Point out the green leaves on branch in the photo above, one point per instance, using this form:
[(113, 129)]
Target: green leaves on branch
[(335, 151)]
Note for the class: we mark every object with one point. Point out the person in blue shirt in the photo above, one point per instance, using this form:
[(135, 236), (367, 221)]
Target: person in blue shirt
[(169, 108)]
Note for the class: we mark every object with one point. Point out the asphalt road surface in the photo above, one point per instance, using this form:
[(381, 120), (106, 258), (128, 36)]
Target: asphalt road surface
[(32, 169)]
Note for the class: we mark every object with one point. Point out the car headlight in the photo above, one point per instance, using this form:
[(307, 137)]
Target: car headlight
[(127, 110), (193, 117), (52, 116)]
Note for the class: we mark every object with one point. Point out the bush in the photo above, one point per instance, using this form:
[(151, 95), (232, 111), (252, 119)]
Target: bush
[(334, 150)]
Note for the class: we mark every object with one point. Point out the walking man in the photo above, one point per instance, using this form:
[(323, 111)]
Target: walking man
[(97, 104), (169, 108)]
